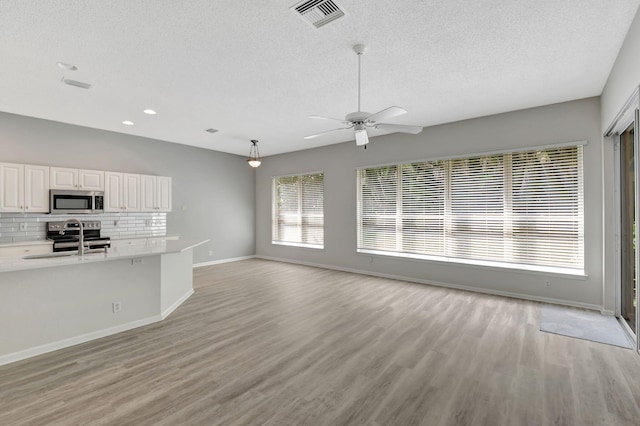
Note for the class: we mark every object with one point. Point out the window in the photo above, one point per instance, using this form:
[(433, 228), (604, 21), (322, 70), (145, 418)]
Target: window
[(298, 210), (520, 209)]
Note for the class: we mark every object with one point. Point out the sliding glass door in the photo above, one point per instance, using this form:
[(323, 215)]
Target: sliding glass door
[(627, 191)]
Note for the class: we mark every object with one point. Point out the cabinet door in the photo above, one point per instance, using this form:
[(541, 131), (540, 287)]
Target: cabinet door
[(62, 178), (131, 192), (113, 192), (163, 196), (147, 193), (11, 187), (90, 180), (36, 189)]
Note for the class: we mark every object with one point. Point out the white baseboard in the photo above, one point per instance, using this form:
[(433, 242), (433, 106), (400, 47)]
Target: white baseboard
[(217, 262), (607, 312), (76, 340), (441, 284), (177, 303)]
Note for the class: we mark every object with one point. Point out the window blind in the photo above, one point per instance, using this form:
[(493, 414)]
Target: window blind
[(523, 208), (298, 210)]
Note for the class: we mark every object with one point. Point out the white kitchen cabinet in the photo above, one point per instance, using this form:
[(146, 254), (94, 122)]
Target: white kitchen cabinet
[(122, 192), (12, 187), (36, 189), (155, 193), (77, 179), (24, 188), (163, 193)]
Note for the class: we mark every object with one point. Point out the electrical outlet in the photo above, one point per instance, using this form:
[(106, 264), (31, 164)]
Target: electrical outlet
[(23, 226), (148, 222), (117, 307), (547, 283), (210, 253), (136, 261)]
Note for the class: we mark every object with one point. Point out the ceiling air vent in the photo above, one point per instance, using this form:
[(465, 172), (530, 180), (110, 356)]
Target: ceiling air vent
[(75, 83), (319, 12)]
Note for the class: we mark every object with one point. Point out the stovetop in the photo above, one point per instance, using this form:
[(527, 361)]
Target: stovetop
[(91, 231), (71, 238)]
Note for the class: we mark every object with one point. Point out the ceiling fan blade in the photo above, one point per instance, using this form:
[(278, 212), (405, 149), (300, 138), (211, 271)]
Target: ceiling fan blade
[(362, 138), (328, 118), (402, 128), (324, 133), (390, 112)]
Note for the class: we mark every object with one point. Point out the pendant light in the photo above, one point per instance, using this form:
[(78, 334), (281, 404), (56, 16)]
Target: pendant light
[(254, 155)]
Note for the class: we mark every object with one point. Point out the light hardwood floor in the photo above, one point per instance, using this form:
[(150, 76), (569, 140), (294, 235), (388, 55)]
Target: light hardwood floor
[(270, 343)]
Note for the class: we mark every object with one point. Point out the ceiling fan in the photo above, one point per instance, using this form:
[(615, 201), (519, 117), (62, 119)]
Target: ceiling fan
[(359, 121)]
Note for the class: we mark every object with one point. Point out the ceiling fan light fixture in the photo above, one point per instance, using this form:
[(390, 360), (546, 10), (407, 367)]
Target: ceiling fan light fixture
[(361, 137), (254, 155)]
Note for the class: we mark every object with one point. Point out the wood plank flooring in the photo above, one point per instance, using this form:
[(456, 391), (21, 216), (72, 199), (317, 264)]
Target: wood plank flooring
[(277, 344)]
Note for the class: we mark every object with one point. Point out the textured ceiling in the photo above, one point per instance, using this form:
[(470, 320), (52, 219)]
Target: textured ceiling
[(254, 70)]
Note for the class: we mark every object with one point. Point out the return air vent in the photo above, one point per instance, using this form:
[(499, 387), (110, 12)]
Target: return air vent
[(75, 83), (319, 12)]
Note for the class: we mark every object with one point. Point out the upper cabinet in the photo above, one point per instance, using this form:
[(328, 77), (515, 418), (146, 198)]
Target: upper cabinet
[(155, 193), (122, 192), (36, 189), (24, 188), (163, 193), (77, 179)]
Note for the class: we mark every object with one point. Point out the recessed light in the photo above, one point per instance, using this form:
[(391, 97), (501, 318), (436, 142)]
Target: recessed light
[(66, 66), (150, 112), (128, 123)]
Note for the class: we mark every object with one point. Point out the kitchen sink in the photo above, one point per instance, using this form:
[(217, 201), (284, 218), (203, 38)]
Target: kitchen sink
[(50, 255), (62, 254)]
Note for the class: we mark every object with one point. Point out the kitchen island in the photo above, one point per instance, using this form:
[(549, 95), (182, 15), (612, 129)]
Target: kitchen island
[(51, 303)]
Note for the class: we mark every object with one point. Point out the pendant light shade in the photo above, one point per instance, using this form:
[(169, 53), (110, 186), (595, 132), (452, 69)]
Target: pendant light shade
[(254, 155)]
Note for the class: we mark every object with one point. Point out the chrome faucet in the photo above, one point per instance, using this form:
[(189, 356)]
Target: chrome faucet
[(80, 236)]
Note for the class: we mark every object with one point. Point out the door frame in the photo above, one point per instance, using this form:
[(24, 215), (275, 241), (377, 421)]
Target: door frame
[(628, 115)]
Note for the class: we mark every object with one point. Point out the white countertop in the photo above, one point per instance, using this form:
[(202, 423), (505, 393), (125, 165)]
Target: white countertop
[(27, 243), (153, 248)]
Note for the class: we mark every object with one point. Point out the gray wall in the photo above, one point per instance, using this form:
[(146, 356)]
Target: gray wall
[(213, 192), (566, 122), (623, 80), (624, 77)]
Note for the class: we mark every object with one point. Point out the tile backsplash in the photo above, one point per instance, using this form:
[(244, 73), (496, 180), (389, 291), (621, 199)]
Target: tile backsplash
[(16, 227)]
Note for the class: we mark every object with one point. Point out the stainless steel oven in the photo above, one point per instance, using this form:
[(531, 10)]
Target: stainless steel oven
[(75, 202)]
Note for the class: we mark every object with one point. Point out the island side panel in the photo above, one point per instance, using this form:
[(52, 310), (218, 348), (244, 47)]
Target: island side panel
[(46, 309), (177, 280)]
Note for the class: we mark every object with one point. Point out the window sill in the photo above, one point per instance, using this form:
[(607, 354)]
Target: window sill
[(576, 274), (302, 245)]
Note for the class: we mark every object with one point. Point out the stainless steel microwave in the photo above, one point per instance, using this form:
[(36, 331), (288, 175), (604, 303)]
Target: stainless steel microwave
[(76, 202)]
